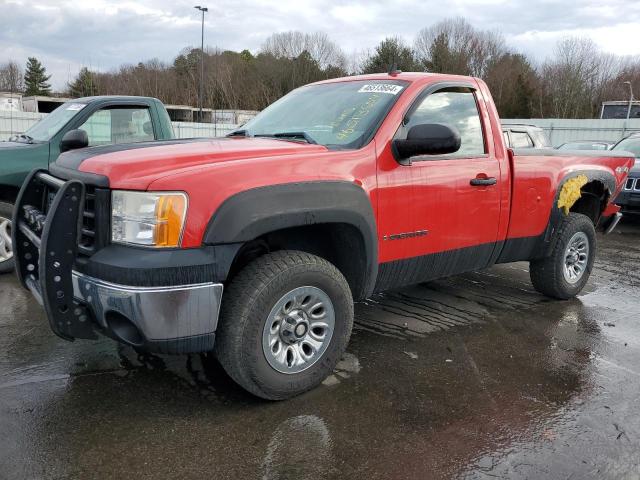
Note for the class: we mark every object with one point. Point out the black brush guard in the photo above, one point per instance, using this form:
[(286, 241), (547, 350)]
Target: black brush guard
[(47, 222)]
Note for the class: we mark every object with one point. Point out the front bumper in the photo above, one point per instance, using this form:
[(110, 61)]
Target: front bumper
[(166, 302), (167, 319)]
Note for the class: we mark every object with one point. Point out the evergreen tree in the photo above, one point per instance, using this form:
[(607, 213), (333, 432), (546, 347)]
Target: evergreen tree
[(84, 85), (36, 78), (391, 51)]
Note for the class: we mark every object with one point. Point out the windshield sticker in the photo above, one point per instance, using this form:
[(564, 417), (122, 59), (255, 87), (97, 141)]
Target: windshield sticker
[(75, 106), (350, 125), (381, 88)]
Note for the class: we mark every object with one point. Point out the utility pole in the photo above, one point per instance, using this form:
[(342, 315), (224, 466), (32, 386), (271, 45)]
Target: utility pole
[(630, 99), (203, 10)]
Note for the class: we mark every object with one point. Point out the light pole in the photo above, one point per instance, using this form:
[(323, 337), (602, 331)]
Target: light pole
[(203, 10), (630, 99)]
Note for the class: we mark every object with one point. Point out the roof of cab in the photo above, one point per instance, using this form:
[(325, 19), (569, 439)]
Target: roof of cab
[(109, 98), (405, 76)]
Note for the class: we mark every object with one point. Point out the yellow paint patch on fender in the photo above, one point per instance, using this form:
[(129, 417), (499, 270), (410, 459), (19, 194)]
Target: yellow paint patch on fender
[(570, 192)]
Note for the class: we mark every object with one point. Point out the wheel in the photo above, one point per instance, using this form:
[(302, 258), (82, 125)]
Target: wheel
[(6, 248), (285, 322), (566, 271)]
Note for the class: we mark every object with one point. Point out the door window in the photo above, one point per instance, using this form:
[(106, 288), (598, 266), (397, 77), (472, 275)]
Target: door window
[(457, 108), (119, 125)]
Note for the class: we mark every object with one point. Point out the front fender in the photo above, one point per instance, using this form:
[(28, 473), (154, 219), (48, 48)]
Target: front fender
[(255, 212)]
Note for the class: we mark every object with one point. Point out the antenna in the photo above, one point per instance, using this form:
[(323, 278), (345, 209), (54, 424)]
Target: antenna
[(393, 69)]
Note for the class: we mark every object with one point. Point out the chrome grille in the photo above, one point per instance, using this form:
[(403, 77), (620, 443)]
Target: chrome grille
[(95, 232), (632, 184), (88, 233)]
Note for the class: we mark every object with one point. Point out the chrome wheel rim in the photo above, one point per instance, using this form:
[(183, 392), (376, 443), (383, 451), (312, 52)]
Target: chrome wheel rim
[(576, 257), (298, 330), (6, 246)]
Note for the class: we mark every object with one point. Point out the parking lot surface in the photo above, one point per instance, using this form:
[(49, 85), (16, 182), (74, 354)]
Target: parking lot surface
[(476, 376)]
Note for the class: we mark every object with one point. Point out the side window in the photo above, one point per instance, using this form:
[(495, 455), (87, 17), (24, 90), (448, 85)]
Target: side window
[(98, 128), (119, 125), (521, 140), (455, 107)]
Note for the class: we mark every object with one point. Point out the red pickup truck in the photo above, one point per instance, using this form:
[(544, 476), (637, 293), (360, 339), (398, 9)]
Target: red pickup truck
[(340, 189)]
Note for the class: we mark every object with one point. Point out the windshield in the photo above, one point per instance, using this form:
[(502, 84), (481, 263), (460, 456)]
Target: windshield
[(338, 115), (53, 122), (629, 145)]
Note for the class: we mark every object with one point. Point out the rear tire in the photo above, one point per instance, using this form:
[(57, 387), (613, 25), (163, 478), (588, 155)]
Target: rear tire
[(7, 262), (285, 322), (565, 272)]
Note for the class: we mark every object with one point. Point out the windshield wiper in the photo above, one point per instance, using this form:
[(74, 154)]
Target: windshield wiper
[(15, 138), (238, 133), (293, 135)]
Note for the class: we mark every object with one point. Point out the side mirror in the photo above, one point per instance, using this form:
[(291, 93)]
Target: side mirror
[(427, 139), (73, 140)]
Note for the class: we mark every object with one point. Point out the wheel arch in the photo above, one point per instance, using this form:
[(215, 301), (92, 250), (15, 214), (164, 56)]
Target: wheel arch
[(593, 197), (331, 219)]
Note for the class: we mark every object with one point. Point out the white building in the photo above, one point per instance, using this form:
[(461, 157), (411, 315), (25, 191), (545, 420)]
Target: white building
[(10, 102)]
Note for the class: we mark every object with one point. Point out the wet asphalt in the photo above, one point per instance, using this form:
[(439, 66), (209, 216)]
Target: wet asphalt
[(472, 377)]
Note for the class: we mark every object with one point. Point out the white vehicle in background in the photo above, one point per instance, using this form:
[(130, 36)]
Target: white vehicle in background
[(587, 145), (525, 136)]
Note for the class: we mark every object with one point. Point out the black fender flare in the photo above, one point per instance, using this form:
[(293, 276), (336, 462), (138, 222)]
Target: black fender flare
[(607, 179), (252, 213), (556, 217)]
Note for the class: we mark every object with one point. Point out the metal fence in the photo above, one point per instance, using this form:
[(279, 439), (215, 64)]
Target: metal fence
[(568, 130), (559, 130), (12, 123), (190, 130), (16, 122)]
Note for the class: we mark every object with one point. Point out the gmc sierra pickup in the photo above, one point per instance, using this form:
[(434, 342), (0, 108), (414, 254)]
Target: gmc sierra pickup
[(255, 246)]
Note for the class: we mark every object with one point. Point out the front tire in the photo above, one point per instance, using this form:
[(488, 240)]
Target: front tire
[(285, 322), (7, 262), (566, 271)]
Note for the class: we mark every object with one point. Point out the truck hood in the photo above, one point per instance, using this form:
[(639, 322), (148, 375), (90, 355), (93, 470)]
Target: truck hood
[(135, 166)]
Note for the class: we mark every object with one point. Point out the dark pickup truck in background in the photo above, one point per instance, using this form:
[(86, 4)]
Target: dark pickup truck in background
[(90, 121), (629, 198)]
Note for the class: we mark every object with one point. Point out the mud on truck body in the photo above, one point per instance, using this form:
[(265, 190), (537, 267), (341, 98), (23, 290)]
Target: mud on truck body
[(255, 246)]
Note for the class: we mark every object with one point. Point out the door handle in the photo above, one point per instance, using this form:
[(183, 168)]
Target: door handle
[(483, 181)]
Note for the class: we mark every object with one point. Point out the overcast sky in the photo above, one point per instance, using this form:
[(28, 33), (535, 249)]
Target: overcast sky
[(103, 34)]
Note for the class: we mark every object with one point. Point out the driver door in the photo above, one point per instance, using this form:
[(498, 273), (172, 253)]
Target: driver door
[(448, 221)]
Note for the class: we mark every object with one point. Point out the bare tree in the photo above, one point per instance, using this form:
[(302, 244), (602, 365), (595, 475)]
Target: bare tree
[(11, 77), (575, 79), (455, 46), (292, 44)]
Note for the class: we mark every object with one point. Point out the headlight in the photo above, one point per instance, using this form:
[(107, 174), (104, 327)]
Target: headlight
[(154, 219)]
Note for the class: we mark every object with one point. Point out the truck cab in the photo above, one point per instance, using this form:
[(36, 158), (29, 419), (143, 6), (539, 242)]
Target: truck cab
[(83, 122)]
